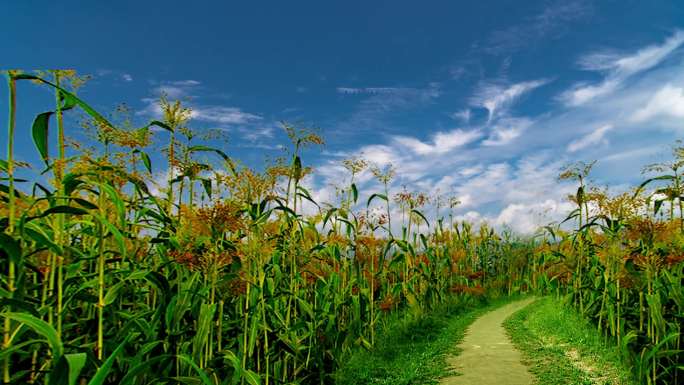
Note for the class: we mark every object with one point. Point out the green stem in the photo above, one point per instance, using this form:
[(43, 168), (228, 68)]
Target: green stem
[(100, 283), (6, 341), (59, 172)]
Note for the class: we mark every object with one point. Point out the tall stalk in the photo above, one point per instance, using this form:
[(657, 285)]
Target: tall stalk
[(59, 174), (100, 277), (11, 83)]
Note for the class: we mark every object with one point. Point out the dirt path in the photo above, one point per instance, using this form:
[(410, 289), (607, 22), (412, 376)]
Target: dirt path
[(487, 356)]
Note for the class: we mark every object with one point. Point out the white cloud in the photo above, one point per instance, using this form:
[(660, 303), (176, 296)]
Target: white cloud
[(369, 90), (526, 218), (525, 194), (127, 77), (379, 102), (223, 115), (633, 153), (177, 89), (593, 138), (217, 114), (551, 21), (442, 142), (463, 115), (668, 101), (506, 130), (380, 155), (257, 132), (496, 98), (618, 68)]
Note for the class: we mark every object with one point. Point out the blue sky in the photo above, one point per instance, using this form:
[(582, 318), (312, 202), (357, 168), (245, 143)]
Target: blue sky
[(483, 101)]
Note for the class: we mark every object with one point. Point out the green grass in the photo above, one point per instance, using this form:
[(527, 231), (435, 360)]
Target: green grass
[(413, 350), (560, 347)]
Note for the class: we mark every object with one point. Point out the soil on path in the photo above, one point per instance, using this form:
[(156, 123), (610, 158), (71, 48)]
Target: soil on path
[(488, 356)]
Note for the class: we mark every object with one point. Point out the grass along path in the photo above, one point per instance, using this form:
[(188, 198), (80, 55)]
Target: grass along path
[(562, 348), (487, 355), (414, 350)]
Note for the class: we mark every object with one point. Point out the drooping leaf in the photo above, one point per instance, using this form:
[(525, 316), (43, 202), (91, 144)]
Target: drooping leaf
[(67, 102), (102, 373), (381, 196), (160, 124), (11, 246), (68, 369), (206, 183), (418, 213), (201, 148), (145, 159), (41, 327), (39, 131), (61, 210), (73, 99)]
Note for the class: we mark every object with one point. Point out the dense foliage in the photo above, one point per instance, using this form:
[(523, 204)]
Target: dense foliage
[(228, 275)]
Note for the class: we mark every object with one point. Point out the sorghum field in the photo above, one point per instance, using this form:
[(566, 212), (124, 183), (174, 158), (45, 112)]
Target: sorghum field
[(221, 277)]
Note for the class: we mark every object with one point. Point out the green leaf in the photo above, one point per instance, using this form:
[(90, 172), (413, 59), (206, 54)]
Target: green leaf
[(118, 202), (16, 304), (201, 148), (304, 193), (84, 203), (206, 183), (251, 377), (134, 372), (381, 196), (71, 182), (101, 374), (41, 327), (69, 102), (68, 369), (62, 210), (11, 246), (42, 239), (118, 237), (656, 205), (112, 292), (72, 99), (355, 192), (414, 211), (161, 125), (87, 108), (40, 133), (145, 159), (23, 76)]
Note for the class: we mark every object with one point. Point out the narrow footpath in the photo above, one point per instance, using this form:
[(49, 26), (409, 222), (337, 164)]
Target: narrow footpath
[(488, 356)]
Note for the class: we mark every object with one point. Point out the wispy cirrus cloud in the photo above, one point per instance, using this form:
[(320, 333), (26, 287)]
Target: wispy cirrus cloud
[(377, 103), (496, 97), (441, 142), (551, 21), (223, 115), (370, 90), (504, 170), (617, 69), (591, 139), (506, 130), (248, 127), (177, 89)]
